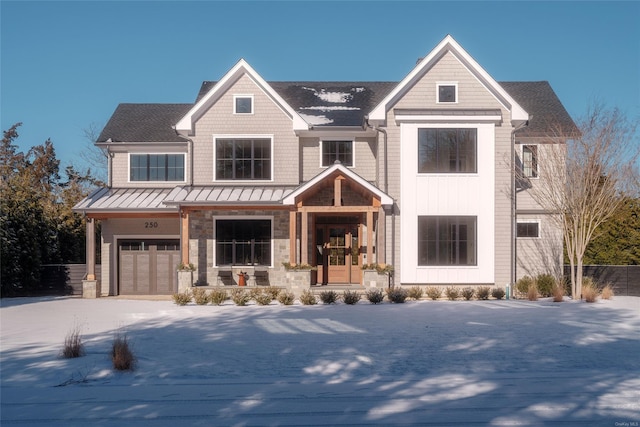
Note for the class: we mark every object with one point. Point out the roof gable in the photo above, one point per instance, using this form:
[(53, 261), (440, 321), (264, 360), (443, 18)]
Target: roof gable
[(448, 44), (185, 124)]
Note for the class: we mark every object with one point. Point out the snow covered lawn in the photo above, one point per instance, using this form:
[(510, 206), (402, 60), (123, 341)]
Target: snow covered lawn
[(420, 363)]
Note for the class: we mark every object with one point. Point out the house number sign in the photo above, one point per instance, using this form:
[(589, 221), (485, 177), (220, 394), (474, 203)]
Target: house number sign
[(151, 224)]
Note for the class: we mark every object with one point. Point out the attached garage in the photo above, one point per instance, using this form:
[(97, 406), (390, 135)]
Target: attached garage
[(148, 267)]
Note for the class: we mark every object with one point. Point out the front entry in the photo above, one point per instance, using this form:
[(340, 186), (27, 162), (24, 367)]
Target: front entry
[(337, 243)]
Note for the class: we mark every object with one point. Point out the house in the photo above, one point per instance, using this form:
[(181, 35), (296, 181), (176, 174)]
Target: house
[(419, 174)]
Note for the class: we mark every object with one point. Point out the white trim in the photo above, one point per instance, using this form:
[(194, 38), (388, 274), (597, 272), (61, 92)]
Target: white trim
[(454, 84), (353, 151), (416, 118), (186, 172), (243, 136), (240, 96), (270, 218)]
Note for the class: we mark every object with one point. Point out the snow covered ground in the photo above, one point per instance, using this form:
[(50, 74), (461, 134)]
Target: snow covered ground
[(459, 363)]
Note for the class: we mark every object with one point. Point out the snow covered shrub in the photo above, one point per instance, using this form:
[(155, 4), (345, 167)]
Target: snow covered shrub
[(254, 293), (329, 297), (73, 346), (415, 292), (545, 284), (434, 292), (182, 298), (523, 284), (200, 296), (121, 354), (452, 293), (589, 289), (351, 297), (285, 297), (558, 292), (607, 292), (218, 296), (497, 293), (308, 298), (375, 296), (397, 295), (273, 291), (483, 292), (468, 293), (532, 292), (263, 298), (240, 296)]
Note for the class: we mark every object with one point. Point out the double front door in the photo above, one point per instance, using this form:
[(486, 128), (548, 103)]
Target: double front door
[(338, 253)]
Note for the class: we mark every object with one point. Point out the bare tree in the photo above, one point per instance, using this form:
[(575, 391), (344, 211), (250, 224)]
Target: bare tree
[(583, 181), (95, 157)]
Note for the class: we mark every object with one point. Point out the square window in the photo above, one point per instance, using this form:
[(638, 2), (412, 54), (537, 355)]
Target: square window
[(333, 151), (243, 105), (447, 93)]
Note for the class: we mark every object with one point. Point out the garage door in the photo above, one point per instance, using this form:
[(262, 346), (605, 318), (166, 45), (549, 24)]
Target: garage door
[(148, 267)]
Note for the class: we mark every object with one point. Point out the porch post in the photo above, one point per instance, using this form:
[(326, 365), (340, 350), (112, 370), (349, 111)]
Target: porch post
[(304, 238), (293, 216), (91, 248), (369, 236), (381, 233), (184, 234)]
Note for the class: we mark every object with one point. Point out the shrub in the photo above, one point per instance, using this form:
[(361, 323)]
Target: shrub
[(415, 293), (497, 293), (523, 284), (375, 296), (397, 295), (545, 284), (218, 296), (558, 292), (200, 296), (254, 293), (308, 298), (329, 297), (452, 293), (589, 289), (483, 293), (434, 292), (182, 298), (607, 292), (240, 296), (263, 298), (286, 297), (532, 292), (121, 354), (468, 293), (73, 346), (273, 291), (351, 297)]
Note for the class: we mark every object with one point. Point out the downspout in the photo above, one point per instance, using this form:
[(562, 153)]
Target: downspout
[(514, 200), (109, 168), (190, 141)]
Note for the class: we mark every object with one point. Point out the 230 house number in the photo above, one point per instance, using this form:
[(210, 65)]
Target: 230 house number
[(151, 224)]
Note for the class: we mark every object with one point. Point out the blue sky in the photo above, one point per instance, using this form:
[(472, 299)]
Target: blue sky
[(67, 65)]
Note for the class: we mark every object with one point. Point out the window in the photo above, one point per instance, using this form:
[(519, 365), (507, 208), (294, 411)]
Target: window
[(243, 104), (243, 159), (156, 167), (447, 93), (337, 150), (530, 161), (447, 240), (447, 150), (528, 229), (243, 242)]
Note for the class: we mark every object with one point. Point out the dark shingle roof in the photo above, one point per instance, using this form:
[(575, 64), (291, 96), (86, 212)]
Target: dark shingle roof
[(144, 123), (325, 104)]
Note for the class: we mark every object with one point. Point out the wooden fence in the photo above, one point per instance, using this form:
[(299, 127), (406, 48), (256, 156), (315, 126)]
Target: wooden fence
[(625, 279), (65, 279)]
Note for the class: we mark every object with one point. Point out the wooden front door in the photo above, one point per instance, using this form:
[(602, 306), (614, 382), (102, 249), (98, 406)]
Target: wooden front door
[(338, 253)]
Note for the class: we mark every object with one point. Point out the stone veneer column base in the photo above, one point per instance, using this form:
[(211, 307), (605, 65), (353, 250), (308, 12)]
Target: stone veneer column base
[(90, 289)]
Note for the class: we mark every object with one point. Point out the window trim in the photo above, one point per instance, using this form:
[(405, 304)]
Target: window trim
[(235, 105), (269, 218), (440, 265), (529, 221), (353, 151), (243, 136), (130, 181), (535, 158), (440, 84)]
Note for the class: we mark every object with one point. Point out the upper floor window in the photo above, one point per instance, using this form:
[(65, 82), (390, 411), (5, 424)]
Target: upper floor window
[(528, 229), (243, 104), (447, 240), (156, 167), (445, 150), (447, 93), (337, 150), (243, 159), (530, 161)]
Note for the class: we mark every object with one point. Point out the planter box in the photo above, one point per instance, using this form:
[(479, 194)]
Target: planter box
[(299, 280)]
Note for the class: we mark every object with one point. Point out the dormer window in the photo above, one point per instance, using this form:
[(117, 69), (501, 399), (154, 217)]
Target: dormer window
[(447, 93), (243, 104)]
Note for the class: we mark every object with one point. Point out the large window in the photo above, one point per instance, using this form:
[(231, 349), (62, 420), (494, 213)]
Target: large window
[(243, 159), (243, 242), (447, 150), (156, 167), (447, 240), (530, 161), (337, 150)]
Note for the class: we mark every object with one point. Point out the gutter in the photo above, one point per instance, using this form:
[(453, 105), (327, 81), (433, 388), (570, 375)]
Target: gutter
[(190, 141)]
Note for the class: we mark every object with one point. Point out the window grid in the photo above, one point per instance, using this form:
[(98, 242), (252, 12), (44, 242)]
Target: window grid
[(446, 150), (243, 242), (243, 159), (156, 167), (530, 161), (447, 240), (337, 150)]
